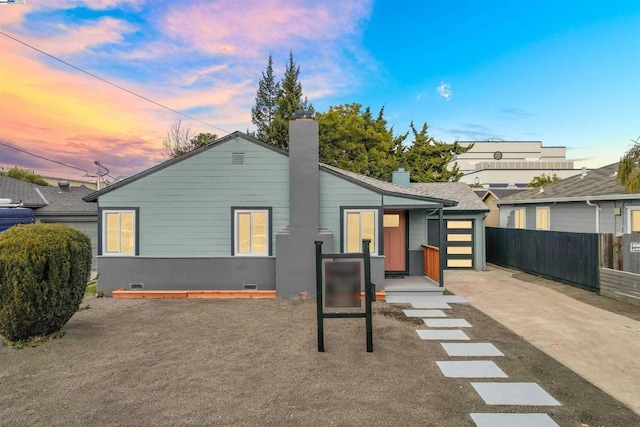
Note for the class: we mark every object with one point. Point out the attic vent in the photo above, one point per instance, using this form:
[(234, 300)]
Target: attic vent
[(249, 287), (136, 286), (237, 158)]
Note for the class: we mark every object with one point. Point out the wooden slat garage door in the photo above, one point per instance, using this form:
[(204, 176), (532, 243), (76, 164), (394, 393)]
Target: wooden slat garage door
[(459, 234)]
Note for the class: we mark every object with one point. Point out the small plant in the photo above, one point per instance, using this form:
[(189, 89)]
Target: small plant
[(43, 276)]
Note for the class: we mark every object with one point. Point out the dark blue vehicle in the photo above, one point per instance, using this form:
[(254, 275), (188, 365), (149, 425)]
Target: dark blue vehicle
[(12, 216)]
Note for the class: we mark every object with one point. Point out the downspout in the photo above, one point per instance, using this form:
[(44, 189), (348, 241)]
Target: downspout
[(595, 205)]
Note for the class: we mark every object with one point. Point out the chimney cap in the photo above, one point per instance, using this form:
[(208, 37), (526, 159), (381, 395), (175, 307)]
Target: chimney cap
[(303, 114)]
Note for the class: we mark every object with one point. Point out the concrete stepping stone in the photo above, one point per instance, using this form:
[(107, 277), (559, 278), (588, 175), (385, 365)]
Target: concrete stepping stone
[(424, 313), (471, 369), (430, 305), (514, 394), (471, 349), (510, 420), (447, 323), (427, 299), (442, 334)]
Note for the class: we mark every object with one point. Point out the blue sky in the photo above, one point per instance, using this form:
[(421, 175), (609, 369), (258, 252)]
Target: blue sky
[(566, 73)]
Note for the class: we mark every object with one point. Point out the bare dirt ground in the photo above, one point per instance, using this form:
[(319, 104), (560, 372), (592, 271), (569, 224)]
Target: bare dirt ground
[(255, 362)]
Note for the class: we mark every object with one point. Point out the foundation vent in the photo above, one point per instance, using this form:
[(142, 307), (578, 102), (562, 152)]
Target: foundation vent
[(136, 286), (249, 287), (237, 158)]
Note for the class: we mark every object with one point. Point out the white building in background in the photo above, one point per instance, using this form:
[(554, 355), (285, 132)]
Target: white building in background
[(496, 163)]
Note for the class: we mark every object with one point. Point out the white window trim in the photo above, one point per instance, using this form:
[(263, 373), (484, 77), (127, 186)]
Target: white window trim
[(376, 231), (543, 208), (524, 218), (629, 224), (104, 232), (235, 232)]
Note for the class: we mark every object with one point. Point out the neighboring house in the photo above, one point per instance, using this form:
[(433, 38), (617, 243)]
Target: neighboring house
[(92, 185), (593, 202), (498, 164), (489, 197), (239, 213), (60, 204)]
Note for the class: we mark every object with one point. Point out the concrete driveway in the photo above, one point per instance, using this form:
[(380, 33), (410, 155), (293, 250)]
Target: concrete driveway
[(601, 346)]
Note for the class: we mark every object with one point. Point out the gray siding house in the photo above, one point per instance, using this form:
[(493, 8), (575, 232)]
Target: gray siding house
[(61, 204), (239, 212), (593, 202)]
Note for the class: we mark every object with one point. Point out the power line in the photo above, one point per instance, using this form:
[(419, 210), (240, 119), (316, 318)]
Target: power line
[(44, 158), (111, 83)]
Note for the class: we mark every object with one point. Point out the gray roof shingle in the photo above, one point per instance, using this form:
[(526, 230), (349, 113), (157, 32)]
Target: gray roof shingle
[(21, 192), (47, 200), (467, 199), (597, 184)]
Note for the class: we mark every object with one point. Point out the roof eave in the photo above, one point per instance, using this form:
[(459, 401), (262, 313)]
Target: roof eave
[(570, 199)]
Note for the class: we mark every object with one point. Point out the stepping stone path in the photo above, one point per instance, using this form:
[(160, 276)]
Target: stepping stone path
[(429, 308)]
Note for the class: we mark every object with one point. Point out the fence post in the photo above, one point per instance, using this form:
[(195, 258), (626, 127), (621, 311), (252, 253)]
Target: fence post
[(320, 317), (367, 293)]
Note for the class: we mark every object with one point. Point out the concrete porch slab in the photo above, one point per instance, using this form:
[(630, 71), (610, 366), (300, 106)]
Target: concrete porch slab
[(424, 313), (510, 420), (470, 369), (405, 298), (471, 349), (447, 323), (442, 334), (530, 394)]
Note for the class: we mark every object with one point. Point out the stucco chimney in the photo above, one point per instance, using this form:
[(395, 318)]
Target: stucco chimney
[(401, 177), (303, 175)]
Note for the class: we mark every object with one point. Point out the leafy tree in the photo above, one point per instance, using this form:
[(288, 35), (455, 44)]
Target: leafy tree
[(629, 168), (203, 139), (264, 112), (357, 141), (181, 140), (277, 103), (27, 176), (428, 160), (542, 180)]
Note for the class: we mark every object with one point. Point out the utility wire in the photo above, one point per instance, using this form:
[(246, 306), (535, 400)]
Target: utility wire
[(111, 83), (44, 158)]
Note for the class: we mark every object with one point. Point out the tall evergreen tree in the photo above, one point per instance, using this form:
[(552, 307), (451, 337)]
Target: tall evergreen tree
[(428, 160), (354, 140), (277, 103), (264, 112)]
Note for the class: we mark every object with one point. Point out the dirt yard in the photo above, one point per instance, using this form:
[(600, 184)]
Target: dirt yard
[(255, 362)]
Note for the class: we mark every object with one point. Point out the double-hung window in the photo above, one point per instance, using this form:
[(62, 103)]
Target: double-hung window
[(542, 218), (519, 218), (360, 224), (251, 232), (119, 232)]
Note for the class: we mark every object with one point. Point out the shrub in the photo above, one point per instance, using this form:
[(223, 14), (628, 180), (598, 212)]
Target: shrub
[(44, 270)]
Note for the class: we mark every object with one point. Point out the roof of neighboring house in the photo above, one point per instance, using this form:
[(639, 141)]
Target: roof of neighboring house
[(47, 200), (21, 192), (597, 184), (458, 191), (362, 180), (66, 201), (501, 193)]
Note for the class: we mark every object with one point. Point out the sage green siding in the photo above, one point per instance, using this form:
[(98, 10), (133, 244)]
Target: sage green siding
[(185, 208), (402, 201), (337, 192), (418, 229)]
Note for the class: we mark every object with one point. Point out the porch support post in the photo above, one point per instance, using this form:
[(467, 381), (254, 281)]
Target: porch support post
[(442, 245)]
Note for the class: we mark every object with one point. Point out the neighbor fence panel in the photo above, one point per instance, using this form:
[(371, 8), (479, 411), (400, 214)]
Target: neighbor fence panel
[(568, 257)]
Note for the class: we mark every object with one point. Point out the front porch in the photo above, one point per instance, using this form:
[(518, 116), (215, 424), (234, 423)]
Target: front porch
[(409, 286)]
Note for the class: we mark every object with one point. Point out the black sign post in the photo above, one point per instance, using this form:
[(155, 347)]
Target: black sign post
[(343, 279)]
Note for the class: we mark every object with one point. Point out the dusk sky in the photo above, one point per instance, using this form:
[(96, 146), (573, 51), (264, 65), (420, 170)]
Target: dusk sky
[(563, 72)]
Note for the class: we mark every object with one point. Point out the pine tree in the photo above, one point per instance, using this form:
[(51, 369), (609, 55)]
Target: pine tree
[(264, 112), (428, 160)]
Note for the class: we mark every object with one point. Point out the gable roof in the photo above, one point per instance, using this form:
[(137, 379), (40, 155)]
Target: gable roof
[(597, 184), (47, 200), (361, 180), (458, 191)]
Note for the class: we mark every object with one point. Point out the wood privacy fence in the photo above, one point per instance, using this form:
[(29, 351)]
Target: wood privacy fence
[(571, 258)]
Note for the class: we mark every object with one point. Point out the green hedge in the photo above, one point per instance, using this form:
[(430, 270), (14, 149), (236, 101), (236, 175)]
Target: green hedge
[(44, 270)]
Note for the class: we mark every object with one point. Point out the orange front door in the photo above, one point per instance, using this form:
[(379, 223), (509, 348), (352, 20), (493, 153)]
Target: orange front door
[(395, 248)]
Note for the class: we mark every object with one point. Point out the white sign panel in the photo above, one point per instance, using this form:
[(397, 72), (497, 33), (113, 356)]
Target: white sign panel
[(634, 247)]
